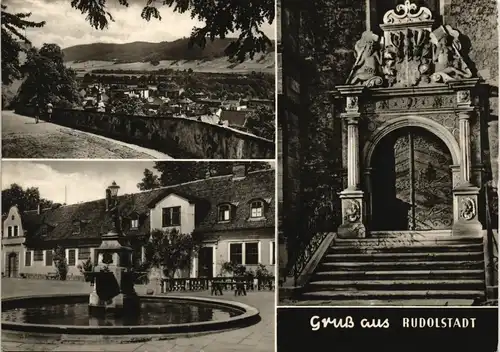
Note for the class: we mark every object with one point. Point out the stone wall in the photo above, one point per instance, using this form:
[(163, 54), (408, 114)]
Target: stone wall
[(177, 137)]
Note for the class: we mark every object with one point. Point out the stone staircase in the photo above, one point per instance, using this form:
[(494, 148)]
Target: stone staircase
[(406, 267)]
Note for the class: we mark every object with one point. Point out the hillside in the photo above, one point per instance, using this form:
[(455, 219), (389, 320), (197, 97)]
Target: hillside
[(146, 52)]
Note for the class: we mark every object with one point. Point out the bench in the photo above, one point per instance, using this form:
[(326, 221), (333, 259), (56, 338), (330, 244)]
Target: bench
[(52, 276)]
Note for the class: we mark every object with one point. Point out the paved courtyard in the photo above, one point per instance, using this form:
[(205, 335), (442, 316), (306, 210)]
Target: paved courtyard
[(23, 138), (255, 338)]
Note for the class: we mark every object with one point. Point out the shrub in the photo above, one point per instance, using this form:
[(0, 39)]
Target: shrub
[(60, 263), (86, 268)]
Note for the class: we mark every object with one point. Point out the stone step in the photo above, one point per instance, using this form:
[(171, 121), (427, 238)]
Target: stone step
[(393, 285), (401, 248), (413, 241), (394, 265), (400, 274), (391, 295), (371, 257)]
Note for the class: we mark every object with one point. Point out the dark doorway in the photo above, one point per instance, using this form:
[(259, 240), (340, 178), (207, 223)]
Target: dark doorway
[(411, 182), (13, 265), (205, 262)]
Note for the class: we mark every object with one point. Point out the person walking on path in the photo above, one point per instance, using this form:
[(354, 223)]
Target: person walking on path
[(49, 112), (37, 113)]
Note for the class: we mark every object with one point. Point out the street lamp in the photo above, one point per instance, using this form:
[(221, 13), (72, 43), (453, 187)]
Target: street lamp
[(113, 201)]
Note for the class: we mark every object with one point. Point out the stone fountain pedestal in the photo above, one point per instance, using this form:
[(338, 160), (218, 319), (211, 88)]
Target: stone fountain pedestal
[(114, 278)]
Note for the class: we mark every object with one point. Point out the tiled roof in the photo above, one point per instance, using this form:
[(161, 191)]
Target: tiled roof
[(234, 117), (207, 194)]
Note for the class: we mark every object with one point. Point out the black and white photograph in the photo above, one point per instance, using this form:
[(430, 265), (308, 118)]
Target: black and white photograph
[(388, 130), (138, 256), (138, 79)]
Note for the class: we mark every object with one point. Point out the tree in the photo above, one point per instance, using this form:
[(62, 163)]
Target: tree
[(170, 251), (48, 80), (149, 181), (128, 106), (25, 199), (60, 262), (261, 122), (12, 42), (220, 17)]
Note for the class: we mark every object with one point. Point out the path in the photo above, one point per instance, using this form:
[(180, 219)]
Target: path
[(255, 338), (24, 139)]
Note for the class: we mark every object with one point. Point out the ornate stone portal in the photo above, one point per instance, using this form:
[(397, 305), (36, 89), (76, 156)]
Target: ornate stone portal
[(413, 75)]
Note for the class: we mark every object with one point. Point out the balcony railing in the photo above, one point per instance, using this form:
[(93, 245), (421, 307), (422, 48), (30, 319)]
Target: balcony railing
[(222, 283)]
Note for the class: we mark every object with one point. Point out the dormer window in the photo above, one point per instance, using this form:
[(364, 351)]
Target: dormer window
[(76, 227), (224, 212), (257, 209), (134, 224)]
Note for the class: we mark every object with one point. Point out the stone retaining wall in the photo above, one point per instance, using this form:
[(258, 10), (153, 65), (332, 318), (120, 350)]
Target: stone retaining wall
[(175, 136)]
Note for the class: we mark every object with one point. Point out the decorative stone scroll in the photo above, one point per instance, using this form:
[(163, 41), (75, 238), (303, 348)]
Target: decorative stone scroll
[(409, 53), (468, 209)]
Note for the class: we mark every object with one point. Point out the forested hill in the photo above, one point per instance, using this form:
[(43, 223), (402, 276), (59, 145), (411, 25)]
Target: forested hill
[(146, 52)]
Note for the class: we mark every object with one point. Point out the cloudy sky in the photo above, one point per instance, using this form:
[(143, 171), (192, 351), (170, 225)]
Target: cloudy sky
[(84, 181), (67, 26)]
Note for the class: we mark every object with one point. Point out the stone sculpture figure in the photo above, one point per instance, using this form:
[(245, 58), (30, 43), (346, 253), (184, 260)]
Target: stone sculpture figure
[(368, 61), (448, 63)]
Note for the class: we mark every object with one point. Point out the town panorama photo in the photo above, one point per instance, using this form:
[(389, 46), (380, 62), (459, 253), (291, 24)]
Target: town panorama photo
[(138, 79), (388, 122)]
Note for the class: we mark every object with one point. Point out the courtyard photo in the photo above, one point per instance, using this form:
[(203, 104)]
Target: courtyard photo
[(388, 148), (138, 255)]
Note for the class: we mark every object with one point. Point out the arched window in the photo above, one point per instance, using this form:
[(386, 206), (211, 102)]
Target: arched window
[(256, 208), (224, 212)]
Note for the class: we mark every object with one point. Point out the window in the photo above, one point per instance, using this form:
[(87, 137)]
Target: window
[(9, 231), (236, 253), (71, 257), (76, 227), (12, 217), (252, 253), (38, 256), (48, 257), (16, 231), (83, 253), (171, 216), (224, 212), (27, 258), (134, 223), (272, 258), (257, 209), (244, 253)]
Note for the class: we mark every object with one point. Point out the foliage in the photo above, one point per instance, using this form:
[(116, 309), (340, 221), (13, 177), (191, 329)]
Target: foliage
[(170, 250), (48, 80), (261, 122), (141, 270), (233, 268), (172, 172), (149, 181), (128, 106), (213, 85), (60, 262), (13, 24), (262, 272), (221, 18), (25, 199)]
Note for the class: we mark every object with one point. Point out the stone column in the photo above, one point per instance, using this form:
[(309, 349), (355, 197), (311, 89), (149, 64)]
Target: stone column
[(465, 195), (352, 197)]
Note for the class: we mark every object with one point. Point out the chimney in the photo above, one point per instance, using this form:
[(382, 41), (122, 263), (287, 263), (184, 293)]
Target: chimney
[(239, 171), (39, 209)]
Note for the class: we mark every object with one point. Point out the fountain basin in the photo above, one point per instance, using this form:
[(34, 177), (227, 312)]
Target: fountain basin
[(63, 319)]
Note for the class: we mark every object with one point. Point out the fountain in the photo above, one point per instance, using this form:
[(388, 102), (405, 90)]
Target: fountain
[(114, 311), (113, 275)]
